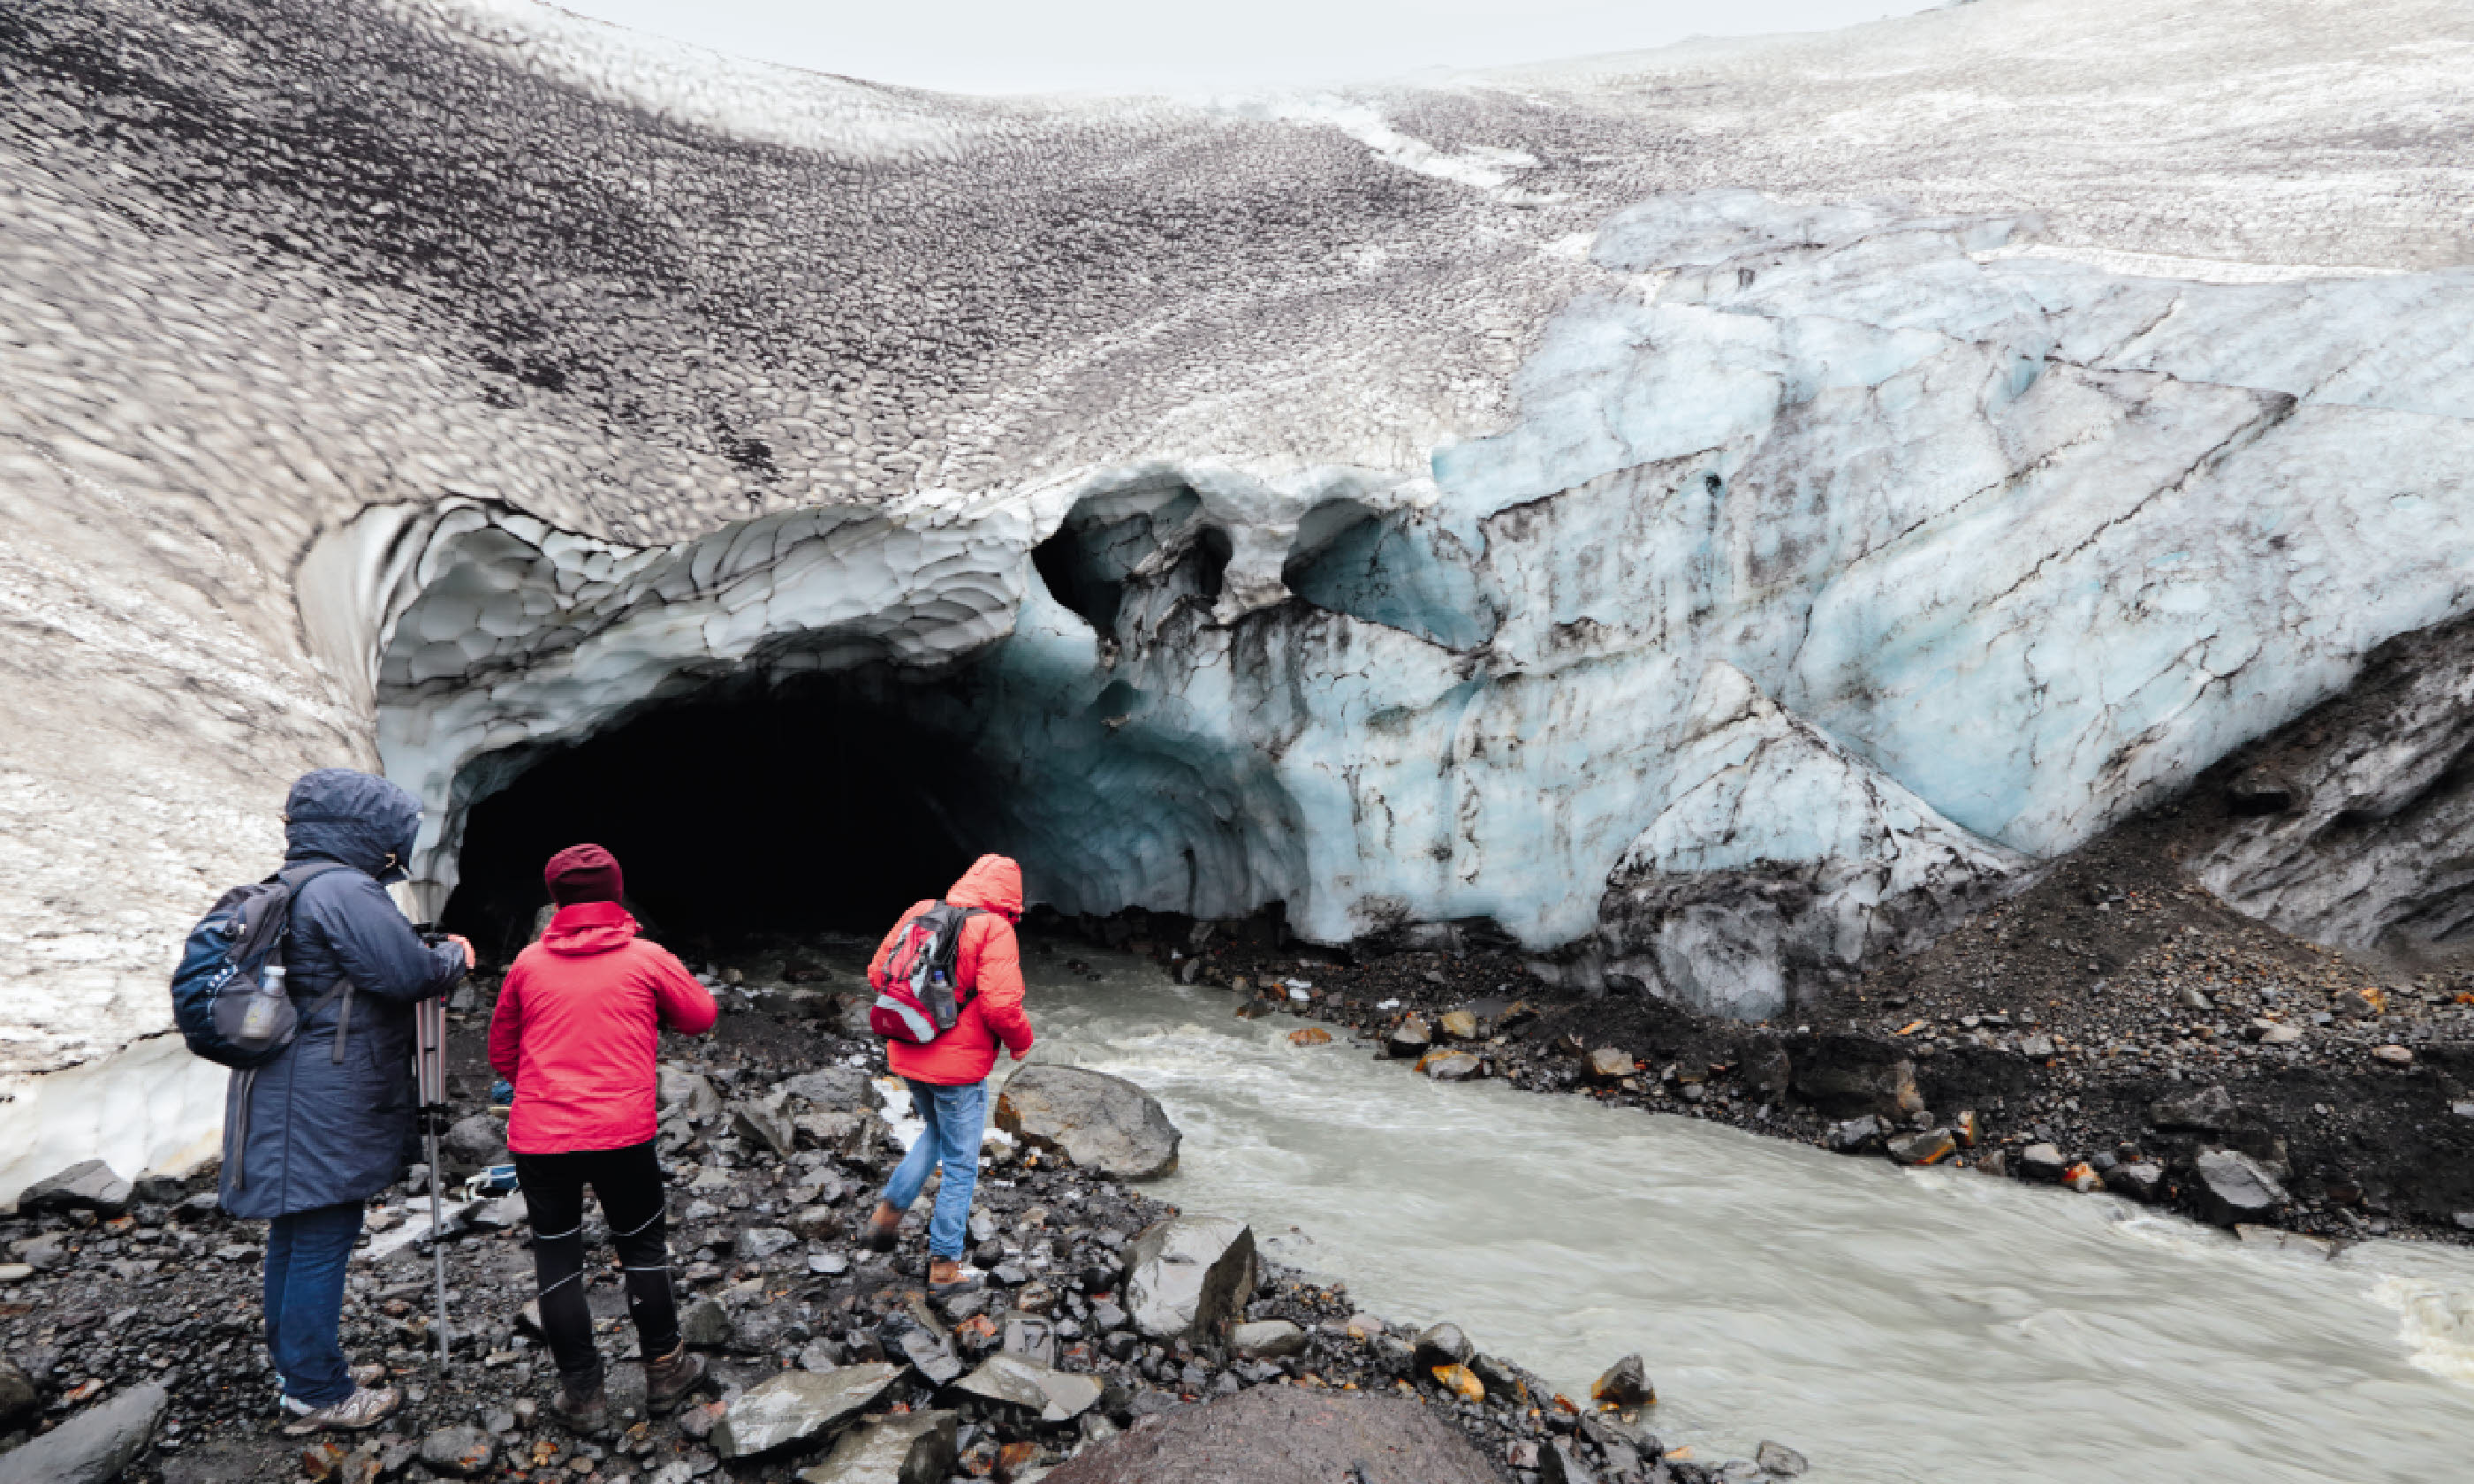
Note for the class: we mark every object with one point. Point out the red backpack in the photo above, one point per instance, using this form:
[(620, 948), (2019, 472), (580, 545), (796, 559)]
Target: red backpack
[(915, 999)]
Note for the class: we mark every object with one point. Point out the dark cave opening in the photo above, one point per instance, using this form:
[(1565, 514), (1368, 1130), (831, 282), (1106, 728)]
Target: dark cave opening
[(740, 810)]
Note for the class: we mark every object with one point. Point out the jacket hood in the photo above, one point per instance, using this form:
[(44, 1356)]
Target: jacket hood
[(358, 819), (993, 883), (585, 928)]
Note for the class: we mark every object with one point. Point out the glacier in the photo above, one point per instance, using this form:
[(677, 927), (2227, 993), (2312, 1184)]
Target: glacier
[(1714, 515)]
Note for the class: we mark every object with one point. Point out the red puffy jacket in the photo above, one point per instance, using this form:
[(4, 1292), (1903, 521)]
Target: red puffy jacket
[(579, 1023), (988, 964)]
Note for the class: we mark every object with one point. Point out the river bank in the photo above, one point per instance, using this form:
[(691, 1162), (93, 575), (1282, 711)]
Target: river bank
[(830, 1363), (2107, 1027)]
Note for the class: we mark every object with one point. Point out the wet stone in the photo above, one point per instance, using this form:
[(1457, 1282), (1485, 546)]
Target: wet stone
[(92, 1446), (1930, 1147), (1625, 1384), (2235, 1188)]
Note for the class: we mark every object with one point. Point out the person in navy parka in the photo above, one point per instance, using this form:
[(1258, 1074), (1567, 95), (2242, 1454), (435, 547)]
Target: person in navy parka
[(311, 1136)]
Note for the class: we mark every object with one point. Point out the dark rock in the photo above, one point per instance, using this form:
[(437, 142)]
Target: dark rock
[(705, 1323), (476, 1139), (796, 1405), (1284, 1435), (2235, 1188), (832, 1089), (459, 1452), (19, 1399), (1102, 1124), (766, 1128), (757, 1243), (1625, 1384), (1411, 1038), (2140, 1180), (927, 1352), (1780, 1460), (159, 1189), (1852, 1075), (2042, 1162), (93, 1446), (1855, 1135), (1443, 1345), (2204, 1112), (1930, 1147), (1558, 1462), (1188, 1276), (915, 1447), (90, 1184)]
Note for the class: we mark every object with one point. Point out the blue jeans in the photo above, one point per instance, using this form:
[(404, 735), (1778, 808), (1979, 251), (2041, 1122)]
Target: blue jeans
[(306, 1253), (954, 1118)]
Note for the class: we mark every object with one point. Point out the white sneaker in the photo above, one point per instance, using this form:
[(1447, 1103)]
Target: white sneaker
[(363, 1409)]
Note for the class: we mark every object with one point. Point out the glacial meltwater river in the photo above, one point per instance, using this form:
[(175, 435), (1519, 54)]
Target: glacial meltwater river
[(1893, 1325)]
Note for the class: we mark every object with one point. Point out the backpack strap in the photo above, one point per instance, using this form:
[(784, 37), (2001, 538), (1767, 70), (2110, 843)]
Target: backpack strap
[(964, 995), (295, 877)]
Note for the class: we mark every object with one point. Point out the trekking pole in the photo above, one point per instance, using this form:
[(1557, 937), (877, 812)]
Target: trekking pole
[(429, 1070)]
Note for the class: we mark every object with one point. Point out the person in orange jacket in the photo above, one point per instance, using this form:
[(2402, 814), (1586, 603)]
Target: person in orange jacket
[(949, 1075), (577, 1026)]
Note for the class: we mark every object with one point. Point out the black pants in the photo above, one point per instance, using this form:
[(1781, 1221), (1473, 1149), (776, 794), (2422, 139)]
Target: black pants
[(628, 1182)]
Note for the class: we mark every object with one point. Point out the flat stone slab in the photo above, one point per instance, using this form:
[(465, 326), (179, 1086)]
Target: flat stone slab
[(796, 1405)]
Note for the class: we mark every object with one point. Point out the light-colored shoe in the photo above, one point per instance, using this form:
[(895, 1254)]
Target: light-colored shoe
[(358, 1412)]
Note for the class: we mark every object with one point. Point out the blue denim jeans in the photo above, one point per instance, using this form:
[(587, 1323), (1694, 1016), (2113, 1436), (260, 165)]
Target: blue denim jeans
[(954, 1118), (306, 1253)]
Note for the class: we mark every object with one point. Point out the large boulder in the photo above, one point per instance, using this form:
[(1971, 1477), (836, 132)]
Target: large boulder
[(92, 1446), (913, 1447), (2235, 1188), (1102, 1124), (1286, 1435), (90, 1184), (796, 1405), (1189, 1277)]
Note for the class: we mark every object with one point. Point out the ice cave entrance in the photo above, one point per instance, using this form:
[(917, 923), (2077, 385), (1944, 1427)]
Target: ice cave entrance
[(742, 808)]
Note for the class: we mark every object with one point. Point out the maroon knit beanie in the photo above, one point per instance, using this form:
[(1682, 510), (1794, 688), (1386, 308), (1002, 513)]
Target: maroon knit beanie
[(583, 873)]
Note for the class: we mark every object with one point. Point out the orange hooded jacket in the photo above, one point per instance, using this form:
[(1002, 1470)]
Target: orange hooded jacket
[(987, 964)]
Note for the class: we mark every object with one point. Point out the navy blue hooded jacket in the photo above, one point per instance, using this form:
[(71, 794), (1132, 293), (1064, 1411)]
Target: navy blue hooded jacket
[(318, 1131)]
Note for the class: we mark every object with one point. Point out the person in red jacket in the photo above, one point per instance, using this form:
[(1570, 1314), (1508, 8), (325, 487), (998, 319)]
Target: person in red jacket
[(949, 1075), (577, 1026)]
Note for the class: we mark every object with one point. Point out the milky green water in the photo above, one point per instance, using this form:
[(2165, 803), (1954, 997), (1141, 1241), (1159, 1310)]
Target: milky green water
[(1892, 1325)]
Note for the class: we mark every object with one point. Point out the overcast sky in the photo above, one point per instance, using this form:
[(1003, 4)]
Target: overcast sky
[(998, 46)]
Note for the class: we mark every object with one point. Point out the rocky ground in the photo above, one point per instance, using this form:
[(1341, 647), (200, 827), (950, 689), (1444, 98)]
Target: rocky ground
[(2113, 1027), (1100, 1320)]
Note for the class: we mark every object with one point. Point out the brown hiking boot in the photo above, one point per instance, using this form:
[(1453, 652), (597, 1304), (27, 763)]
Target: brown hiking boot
[(668, 1379), (945, 1273), (883, 1225), (587, 1411)]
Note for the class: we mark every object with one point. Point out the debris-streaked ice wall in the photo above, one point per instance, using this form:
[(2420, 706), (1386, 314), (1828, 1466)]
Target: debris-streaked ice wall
[(1715, 512)]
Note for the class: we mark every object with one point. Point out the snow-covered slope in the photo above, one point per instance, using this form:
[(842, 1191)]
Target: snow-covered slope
[(1582, 498)]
